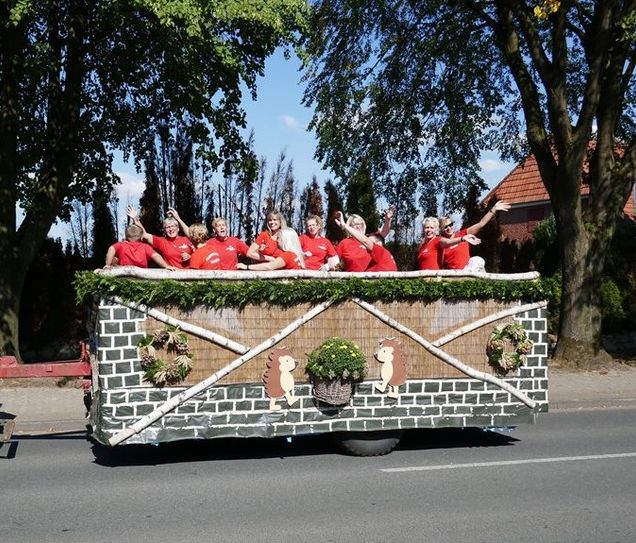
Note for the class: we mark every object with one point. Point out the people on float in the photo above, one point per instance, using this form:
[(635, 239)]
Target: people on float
[(133, 252), (430, 252), (266, 243), (456, 257), (225, 249), (319, 252), (288, 255), (200, 258), (175, 249), (381, 260), (352, 253)]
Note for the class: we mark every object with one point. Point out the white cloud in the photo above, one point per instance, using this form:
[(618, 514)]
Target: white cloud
[(131, 188), (491, 165), (290, 122)]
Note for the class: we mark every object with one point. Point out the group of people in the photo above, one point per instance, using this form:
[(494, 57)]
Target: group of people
[(280, 247)]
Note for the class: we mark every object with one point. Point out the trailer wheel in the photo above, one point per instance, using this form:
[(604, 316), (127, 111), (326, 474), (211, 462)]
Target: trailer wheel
[(367, 443)]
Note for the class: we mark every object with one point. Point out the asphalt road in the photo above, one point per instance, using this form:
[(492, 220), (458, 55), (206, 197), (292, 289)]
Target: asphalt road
[(570, 478)]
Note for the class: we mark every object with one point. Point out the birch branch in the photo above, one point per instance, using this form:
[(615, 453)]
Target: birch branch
[(186, 326), (487, 320), (180, 398), (471, 372), (242, 275)]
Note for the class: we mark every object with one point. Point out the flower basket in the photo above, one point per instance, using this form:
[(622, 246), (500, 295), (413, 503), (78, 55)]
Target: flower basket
[(332, 391), (334, 366)]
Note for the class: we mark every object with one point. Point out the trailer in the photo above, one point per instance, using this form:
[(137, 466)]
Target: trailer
[(195, 354)]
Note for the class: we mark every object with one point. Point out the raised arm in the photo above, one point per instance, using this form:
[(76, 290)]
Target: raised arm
[(388, 218), (134, 216), (449, 242), (172, 212), (354, 233), (499, 206)]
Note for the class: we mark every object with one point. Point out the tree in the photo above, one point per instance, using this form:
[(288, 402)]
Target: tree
[(334, 203), (310, 202), (81, 78), (428, 85), (103, 226), (361, 197)]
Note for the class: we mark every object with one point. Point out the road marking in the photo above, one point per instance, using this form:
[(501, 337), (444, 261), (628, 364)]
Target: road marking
[(512, 462)]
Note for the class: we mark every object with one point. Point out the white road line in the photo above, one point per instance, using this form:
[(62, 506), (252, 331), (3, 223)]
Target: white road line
[(511, 462)]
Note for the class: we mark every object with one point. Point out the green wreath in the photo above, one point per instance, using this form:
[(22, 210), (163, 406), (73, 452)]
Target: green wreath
[(157, 371), (507, 346)]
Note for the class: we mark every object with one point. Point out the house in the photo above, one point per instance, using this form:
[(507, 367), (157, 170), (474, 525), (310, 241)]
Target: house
[(523, 189)]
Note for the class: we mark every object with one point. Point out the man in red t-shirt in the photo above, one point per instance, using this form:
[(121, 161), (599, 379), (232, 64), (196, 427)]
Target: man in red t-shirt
[(175, 249), (456, 257), (133, 252), (380, 259)]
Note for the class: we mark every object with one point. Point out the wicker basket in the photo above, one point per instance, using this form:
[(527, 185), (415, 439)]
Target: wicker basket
[(333, 392)]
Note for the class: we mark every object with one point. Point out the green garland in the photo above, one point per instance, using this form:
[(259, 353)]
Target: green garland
[(157, 371), (218, 294)]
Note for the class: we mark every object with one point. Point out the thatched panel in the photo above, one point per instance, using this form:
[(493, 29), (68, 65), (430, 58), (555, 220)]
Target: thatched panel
[(254, 324)]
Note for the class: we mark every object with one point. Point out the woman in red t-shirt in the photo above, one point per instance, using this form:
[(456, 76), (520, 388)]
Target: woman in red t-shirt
[(429, 255), (266, 243), (288, 255), (318, 251)]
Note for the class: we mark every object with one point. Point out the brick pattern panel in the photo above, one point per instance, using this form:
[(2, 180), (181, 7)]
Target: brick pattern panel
[(242, 410)]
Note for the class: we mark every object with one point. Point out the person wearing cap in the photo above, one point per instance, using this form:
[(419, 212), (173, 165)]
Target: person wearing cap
[(456, 257), (380, 259), (430, 252)]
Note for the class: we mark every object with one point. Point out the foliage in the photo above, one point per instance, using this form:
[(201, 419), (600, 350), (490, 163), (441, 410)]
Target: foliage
[(157, 371), (361, 197), (218, 294), (611, 306), (417, 90), (337, 358), (82, 79), (507, 346), (334, 204)]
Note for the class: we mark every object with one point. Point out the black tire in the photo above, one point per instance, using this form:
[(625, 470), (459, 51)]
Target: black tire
[(367, 443)]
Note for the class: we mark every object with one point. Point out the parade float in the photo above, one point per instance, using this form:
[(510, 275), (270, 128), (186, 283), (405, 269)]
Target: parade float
[(198, 354)]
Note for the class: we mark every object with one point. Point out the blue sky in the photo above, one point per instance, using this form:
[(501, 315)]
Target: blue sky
[(280, 123)]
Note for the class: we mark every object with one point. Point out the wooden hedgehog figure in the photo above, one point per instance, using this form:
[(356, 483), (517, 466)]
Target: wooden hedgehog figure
[(393, 372), (278, 380)]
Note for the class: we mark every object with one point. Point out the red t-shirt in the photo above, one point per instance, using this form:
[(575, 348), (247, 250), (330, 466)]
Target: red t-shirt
[(290, 258), (316, 250), (226, 252), (266, 244), (429, 255), (171, 249), (206, 258), (353, 254), (133, 253), (381, 259), (456, 257)]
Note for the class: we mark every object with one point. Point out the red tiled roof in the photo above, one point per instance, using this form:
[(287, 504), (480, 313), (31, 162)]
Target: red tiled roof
[(523, 185)]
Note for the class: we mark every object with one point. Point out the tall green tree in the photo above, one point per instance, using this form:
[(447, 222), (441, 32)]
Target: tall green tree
[(310, 202), (103, 226), (334, 204), (80, 78), (428, 85), (361, 196)]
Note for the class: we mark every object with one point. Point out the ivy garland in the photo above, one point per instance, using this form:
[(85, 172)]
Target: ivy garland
[(157, 371), (218, 294), (507, 346)]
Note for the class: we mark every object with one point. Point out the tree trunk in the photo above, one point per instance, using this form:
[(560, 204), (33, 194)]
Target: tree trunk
[(10, 295)]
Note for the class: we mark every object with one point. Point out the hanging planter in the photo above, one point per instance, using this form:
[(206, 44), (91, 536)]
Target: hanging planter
[(334, 367), (507, 347)]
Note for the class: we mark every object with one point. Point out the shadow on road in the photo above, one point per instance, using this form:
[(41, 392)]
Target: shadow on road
[(254, 448)]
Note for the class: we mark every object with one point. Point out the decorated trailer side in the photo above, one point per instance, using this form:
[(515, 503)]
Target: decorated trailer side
[(201, 355)]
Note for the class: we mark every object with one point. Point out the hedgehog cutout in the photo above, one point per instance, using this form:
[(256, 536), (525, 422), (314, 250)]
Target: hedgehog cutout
[(278, 380), (393, 372)]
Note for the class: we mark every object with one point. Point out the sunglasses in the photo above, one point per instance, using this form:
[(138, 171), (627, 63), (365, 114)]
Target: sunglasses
[(449, 225)]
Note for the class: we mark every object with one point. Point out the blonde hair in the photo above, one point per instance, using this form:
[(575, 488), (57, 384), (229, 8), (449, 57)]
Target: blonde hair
[(198, 233), (315, 218), (355, 217), (216, 221), (443, 221), (279, 216), (431, 220), (133, 233), (288, 241), (170, 220)]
